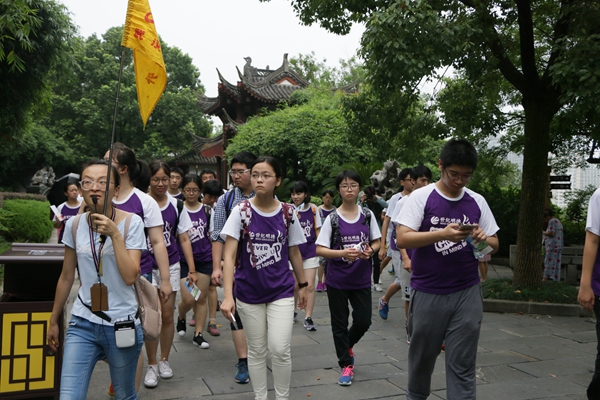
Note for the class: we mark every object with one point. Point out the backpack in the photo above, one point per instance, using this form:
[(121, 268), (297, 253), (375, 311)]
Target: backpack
[(229, 198), (146, 295), (208, 211), (246, 217), (334, 218), (179, 210)]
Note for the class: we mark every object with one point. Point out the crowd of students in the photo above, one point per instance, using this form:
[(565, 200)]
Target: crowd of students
[(270, 257)]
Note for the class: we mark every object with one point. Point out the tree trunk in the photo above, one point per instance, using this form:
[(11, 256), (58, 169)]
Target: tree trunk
[(539, 111)]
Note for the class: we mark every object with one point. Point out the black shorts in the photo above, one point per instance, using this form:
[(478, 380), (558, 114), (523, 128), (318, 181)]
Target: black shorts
[(202, 267)]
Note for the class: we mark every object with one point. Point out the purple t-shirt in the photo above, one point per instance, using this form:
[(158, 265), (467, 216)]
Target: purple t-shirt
[(593, 225), (345, 275), (143, 205), (445, 267), (307, 222), (271, 278), (169, 215), (67, 213), (323, 213), (199, 238)]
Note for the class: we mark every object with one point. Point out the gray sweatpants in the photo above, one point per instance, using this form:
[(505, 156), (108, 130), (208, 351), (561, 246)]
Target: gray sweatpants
[(435, 319)]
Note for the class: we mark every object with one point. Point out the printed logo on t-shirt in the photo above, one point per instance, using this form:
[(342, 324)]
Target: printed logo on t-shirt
[(267, 248), (198, 231), (353, 240), (167, 233), (446, 247), (307, 227)]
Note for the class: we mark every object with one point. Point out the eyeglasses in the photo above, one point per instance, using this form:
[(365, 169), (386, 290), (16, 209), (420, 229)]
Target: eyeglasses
[(163, 180), (238, 172), (191, 191), (455, 176), (353, 186), (88, 184), (265, 177)]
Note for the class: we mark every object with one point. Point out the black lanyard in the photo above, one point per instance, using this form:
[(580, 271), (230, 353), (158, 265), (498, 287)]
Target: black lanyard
[(98, 256)]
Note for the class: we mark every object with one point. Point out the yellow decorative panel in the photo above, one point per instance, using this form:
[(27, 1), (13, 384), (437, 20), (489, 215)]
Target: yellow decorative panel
[(24, 365)]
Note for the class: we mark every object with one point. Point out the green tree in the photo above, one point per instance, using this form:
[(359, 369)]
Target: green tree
[(320, 74), (84, 102), (307, 138), (546, 53), (35, 37)]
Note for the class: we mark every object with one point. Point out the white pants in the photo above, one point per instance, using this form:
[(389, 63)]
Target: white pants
[(268, 329)]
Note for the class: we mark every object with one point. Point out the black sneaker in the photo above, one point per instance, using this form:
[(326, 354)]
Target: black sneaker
[(181, 327), (200, 342), (309, 324)]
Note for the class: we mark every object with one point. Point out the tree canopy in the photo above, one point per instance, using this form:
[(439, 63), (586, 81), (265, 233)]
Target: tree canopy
[(84, 102), (308, 138), (540, 56), (35, 38)]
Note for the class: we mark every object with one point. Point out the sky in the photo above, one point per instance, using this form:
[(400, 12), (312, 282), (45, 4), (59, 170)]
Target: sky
[(219, 34)]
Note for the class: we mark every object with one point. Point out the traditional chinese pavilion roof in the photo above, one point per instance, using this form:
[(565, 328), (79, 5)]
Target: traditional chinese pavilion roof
[(257, 88), (192, 158)]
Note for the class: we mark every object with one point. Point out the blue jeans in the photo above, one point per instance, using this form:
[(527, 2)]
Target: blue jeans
[(85, 345)]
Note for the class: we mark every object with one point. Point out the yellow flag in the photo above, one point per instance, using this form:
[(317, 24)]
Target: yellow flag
[(141, 37)]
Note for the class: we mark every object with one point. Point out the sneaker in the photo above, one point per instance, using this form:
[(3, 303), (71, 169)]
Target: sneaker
[(192, 322), (151, 379), (111, 390), (324, 287), (407, 334), (309, 324), (351, 353), (164, 370), (384, 309), (295, 316), (241, 376), (378, 288), (391, 270), (200, 342), (181, 327), (379, 280), (347, 375), (319, 287), (212, 330)]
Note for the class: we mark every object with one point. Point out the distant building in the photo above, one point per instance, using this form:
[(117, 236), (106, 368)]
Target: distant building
[(257, 89)]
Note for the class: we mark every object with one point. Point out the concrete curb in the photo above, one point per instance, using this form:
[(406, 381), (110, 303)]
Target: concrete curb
[(526, 307)]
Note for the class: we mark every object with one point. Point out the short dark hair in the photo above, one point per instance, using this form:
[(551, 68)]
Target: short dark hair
[(157, 165), (327, 192), (272, 161), (207, 171), (370, 191), (212, 188), (419, 171), (244, 157), (191, 178), (301, 187), (347, 174), (459, 152), (177, 170), (404, 173)]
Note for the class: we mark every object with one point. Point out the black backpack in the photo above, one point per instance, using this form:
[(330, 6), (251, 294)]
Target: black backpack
[(334, 218)]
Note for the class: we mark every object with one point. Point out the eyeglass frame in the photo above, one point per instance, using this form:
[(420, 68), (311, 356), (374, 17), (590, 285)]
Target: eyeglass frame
[(238, 172), (460, 177), (353, 186), (101, 186)]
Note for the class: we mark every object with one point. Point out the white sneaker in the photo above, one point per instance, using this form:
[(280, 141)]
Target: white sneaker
[(164, 370), (151, 379), (378, 288)]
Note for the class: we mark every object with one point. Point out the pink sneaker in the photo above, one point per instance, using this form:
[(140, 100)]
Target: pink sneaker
[(324, 287), (192, 322), (319, 287)]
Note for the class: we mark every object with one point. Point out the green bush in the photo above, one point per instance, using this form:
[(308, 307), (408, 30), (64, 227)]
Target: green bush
[(547, 292), (504, 203), (30, 221)]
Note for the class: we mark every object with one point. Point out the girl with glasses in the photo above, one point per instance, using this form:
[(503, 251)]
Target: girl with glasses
[(267, 234), (348, 238), (175, 223)]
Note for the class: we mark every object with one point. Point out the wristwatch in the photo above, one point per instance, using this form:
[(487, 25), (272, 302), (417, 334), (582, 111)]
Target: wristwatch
[(301, 285)]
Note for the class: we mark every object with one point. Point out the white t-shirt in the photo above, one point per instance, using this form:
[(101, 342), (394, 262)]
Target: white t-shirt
[(121, 298)]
